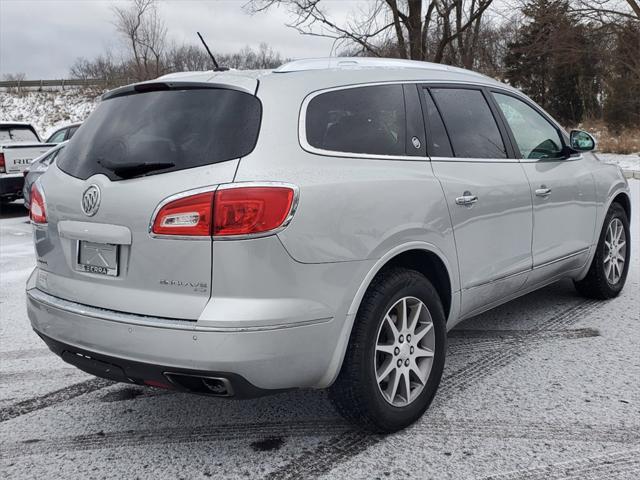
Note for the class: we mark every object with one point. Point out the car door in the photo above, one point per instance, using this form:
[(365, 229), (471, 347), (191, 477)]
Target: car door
[(562, 190), (487, 194)]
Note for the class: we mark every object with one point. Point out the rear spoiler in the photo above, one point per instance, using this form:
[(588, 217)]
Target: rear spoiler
[(155, 86)]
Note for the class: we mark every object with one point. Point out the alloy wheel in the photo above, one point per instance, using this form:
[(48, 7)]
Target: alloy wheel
[(615, 251), (405, 347)]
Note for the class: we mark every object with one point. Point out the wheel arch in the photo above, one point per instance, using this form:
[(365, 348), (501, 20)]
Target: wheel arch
[(623, 199), (401, 255), (620, 196), (424, 258)]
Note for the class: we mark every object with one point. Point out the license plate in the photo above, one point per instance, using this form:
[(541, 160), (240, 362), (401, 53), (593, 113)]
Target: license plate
[(98, 258)]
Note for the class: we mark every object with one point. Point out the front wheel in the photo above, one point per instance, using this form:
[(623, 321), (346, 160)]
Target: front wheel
[(608, 271), (396, 353)]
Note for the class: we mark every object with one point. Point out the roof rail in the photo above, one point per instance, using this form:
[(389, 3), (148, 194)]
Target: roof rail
[(345, 63)]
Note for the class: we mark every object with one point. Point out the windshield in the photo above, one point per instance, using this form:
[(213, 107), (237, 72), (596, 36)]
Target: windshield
[(16, 133), (162, 131)]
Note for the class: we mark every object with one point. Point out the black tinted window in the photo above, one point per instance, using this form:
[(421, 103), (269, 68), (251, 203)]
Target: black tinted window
[(472, 129), (175, 129), (17, 134), (358, 120), (439, 145)]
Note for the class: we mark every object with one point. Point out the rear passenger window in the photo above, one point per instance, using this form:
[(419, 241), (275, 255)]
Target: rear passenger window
[(369, 120), (439, 145), (472, 129)]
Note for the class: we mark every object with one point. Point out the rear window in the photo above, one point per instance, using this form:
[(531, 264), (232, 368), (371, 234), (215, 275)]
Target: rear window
[(17, 134), (163, 131), (369, 120)]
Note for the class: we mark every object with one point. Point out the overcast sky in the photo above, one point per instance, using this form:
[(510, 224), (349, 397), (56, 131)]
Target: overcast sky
[(42, 38)]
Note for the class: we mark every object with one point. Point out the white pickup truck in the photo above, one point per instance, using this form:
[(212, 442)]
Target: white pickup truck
[(19, 144)]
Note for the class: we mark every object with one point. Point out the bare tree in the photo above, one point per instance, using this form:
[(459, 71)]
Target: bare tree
[(607, 11), (146, 34), (104, 67), (419, 30), (15, 77)]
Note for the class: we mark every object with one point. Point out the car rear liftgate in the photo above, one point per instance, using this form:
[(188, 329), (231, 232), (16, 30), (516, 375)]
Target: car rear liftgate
[(135, 153)]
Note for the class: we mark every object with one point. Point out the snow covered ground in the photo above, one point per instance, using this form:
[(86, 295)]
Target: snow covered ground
[(628, 163), (48, 110), (543, 387)]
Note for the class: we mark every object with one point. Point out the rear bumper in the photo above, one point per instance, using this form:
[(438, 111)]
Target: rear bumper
[(163, 376), (255, 361), (11, 185)]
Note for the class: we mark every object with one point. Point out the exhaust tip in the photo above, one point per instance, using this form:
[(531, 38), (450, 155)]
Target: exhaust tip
[(217, 386)]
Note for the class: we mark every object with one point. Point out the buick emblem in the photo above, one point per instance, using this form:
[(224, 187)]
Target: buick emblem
[(91, 200)]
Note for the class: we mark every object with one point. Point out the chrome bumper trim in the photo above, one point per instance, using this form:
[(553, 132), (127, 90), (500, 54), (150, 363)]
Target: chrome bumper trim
[(43, 298)]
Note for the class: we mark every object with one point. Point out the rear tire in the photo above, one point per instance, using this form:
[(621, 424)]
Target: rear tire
[(375, 347), (607, 275)]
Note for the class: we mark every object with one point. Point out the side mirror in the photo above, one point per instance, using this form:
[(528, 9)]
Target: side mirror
[(581, 141)]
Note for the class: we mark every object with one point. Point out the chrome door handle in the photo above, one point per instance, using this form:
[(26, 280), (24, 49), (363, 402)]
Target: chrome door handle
[(543, 191), (467, 198)]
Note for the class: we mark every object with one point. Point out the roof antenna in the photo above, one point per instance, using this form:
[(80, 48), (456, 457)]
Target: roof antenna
[(217, 68)]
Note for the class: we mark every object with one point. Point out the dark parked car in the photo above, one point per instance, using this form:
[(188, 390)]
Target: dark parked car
[(64, 133), (37, 168)]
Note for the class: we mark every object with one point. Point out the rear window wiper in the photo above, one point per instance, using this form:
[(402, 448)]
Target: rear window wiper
[(133, 169)]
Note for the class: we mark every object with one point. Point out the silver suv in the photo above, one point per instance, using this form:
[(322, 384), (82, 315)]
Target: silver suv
[(320, 225)]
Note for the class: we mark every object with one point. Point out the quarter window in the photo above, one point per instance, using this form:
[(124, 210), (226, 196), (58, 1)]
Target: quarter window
[(472, 129), (535, 136), (368, 120)]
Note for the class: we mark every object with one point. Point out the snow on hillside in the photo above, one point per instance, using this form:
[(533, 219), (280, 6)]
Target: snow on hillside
[(625, 162), (48, 110)]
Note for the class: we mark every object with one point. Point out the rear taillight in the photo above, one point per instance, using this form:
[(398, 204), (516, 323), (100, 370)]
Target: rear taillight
[(2, 165), (233, 210), (38, 207), (190, 216), (250, 210)]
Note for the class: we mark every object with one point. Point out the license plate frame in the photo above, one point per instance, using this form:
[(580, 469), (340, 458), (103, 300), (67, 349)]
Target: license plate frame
[(98, 258)]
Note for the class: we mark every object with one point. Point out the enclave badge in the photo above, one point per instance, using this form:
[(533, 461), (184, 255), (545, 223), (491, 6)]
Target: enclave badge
[(91, 200)]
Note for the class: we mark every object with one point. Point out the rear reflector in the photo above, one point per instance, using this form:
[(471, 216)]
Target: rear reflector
[(2, 165), (156, 384), (250, 210), (38, 208), (229, 211)]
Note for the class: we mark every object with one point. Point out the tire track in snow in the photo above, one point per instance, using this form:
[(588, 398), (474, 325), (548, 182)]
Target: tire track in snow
[(26, 353), (487, 365), (477, 341), (619, 465), (52, 398), (348, 437), (196, 434), (311, 464)]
